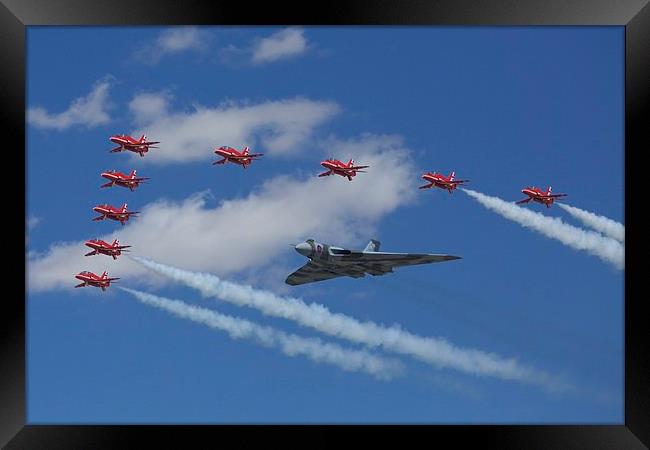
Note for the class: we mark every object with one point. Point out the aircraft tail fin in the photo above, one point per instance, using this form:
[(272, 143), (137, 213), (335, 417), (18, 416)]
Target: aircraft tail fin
[(143, 138), (548, 191), (123, 209), (452, 175), (373, 246), (351, 163), (104, 275), (246, 150), (115, 242), (133, 173)]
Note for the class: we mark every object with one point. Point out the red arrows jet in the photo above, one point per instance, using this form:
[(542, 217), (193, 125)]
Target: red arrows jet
[(110, 212), (439, 180), (537, 195), (103, 247), (90, 279), (124, 142), (121, 179), (334, 166), (243, 158)]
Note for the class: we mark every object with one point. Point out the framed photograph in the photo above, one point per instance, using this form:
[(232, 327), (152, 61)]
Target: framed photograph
[(357, 214)]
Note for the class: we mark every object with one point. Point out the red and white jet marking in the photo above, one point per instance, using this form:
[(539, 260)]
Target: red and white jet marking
[(110, 212), (103, 247), (229, 154), (90, 279), (436, 179), (121, 179), (334, 166), (537, 195), (124, 142)]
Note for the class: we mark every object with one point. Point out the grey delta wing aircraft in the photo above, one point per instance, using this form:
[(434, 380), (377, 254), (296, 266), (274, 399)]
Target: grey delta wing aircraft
[(327, 261)]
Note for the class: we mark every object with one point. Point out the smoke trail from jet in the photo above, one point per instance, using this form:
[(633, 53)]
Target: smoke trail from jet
[(602, 224), (606, 248), (289, 344), (435, 351)]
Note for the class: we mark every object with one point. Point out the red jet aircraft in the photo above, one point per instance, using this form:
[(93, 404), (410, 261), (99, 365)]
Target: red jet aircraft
[(140, 146), (334, 166), (243, 158), (110, 212), (439, 180), (103, 247), (128, 181), (537, 195), (90, 279)]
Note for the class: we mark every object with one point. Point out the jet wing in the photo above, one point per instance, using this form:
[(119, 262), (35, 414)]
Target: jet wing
[(375, 260), (251, 155), (379, 263), (357, 264), (310, 273)]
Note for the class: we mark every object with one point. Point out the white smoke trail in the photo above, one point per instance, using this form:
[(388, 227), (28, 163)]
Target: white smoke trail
[(435, 351), (602, 224), (607, 249), (290, 344)]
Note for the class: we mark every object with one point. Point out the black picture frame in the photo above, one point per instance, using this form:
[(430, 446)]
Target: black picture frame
[(634, 15)]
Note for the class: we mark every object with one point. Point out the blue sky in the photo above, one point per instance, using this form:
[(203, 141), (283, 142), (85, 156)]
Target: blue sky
[(504, 107)]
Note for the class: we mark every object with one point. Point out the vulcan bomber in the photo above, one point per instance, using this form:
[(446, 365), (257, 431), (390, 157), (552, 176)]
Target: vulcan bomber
[(327, 261)]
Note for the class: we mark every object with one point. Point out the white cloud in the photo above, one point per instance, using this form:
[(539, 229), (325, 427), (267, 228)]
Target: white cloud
[(283, 44), (149, 107), (32, 222), (90, 111), (172, 41), (179, 39), (246, 233), (280, 126)]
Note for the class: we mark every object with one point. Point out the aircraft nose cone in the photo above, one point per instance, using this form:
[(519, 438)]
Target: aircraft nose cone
[(304, 249)]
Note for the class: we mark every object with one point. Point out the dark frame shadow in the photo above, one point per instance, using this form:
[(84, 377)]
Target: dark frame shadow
[(634, 15)]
